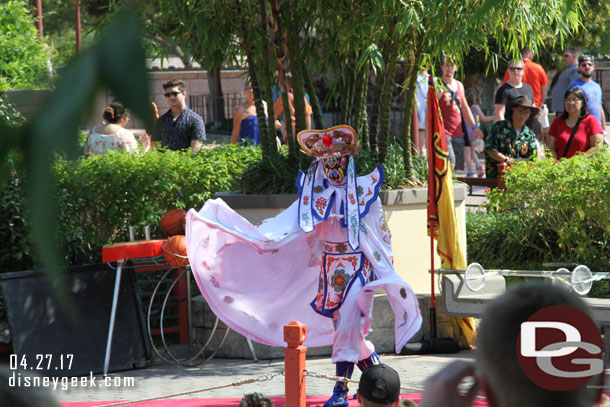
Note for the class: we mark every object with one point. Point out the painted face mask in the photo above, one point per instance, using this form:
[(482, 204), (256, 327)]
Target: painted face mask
[(335, 169)]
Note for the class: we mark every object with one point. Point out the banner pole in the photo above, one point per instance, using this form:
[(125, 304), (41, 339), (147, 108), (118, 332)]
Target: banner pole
[(432, 297)]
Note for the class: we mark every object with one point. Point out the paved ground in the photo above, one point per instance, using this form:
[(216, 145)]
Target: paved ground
[(161, 379)]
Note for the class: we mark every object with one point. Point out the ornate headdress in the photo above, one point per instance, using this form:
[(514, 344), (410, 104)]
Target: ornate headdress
[(334, 142)]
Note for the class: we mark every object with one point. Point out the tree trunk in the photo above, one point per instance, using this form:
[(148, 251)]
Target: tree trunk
[(349, 81), (258, 102), (217, 100), (281, 51), (297, 74), (360, 105), (386, 109), (376, 102), (313, 99), (412, 71), (266, 81)]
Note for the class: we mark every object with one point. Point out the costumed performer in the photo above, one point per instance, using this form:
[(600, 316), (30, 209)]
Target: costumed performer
[(332, 245)]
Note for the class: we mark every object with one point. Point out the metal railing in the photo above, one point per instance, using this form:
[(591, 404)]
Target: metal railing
[(216, 110)]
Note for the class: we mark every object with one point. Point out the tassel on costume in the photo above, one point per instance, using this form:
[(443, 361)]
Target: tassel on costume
[(340, 397)]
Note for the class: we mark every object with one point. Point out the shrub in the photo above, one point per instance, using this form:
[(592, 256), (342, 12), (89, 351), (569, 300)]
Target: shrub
[(100, 196), (277, 174), (550, 212), (23, 58)]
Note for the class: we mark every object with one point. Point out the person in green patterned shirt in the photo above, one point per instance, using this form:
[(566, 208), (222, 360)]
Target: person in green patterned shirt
[(511, 139)]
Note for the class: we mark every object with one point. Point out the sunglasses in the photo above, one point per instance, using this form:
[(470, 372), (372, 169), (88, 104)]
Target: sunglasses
[(515, 68), (172, 94)]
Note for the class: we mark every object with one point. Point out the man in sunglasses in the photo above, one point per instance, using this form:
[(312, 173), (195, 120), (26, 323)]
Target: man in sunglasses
[(179, 128), (512, 89), (591, 89), (567, 76)]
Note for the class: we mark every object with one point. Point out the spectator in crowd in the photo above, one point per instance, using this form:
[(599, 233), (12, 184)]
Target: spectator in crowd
[(513, 88), (471, 158), (497, 368), (379, 386), (534, 75), (511, 138), (592, 90), (255, 400), (575, 130), (456, 113), (112, 135), (278, 110), (421, 95), (245, 120), (567, 76), (179, 128)]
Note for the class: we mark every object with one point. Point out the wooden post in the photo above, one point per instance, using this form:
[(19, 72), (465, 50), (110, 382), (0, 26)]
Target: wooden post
[(295, 333), (502, 167)]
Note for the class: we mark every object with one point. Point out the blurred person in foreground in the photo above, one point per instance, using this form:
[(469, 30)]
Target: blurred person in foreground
[(511, 139), (379, 386), (112, 135), (15, 393), (575, 131), (497, 370)]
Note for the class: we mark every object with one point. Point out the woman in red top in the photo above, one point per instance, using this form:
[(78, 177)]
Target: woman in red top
[(588, 134)]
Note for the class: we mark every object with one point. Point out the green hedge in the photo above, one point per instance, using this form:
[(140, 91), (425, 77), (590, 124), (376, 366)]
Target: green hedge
[(551, 212), (276, 175), (97, 198)]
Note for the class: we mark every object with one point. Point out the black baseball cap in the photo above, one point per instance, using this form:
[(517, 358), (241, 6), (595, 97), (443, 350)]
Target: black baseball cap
[(585, 58), (380, 384)]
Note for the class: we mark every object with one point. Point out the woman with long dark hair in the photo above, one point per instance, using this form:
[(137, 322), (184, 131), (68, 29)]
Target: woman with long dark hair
[(575, 131)]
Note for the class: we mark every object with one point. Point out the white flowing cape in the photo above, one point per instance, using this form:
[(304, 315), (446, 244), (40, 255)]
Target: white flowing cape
[(257, 279)]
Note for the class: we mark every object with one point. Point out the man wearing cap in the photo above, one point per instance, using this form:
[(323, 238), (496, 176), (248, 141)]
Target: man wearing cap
[(510, 139), (567, 76), (592, 90), (379, 386)]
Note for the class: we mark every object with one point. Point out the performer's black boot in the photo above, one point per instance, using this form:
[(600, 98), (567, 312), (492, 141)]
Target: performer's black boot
[(340, 398), (368, 362)]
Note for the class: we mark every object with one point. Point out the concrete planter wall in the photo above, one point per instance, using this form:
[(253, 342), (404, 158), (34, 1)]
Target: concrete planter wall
[(405, 211)]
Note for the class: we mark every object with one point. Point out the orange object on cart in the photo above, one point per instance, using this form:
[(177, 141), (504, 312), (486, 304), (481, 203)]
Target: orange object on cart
[(140, 249)]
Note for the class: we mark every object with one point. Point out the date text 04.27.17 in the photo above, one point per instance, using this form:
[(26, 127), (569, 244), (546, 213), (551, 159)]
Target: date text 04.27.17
[(41, 362)]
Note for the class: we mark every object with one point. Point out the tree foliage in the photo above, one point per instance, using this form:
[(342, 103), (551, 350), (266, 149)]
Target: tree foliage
[(116, 62), (23, 58)]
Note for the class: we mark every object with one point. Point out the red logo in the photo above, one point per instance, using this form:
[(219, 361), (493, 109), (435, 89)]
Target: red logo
[(560, 348)]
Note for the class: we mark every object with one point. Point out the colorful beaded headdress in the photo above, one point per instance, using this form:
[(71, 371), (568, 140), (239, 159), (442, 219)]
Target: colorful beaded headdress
[(334, 142)]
